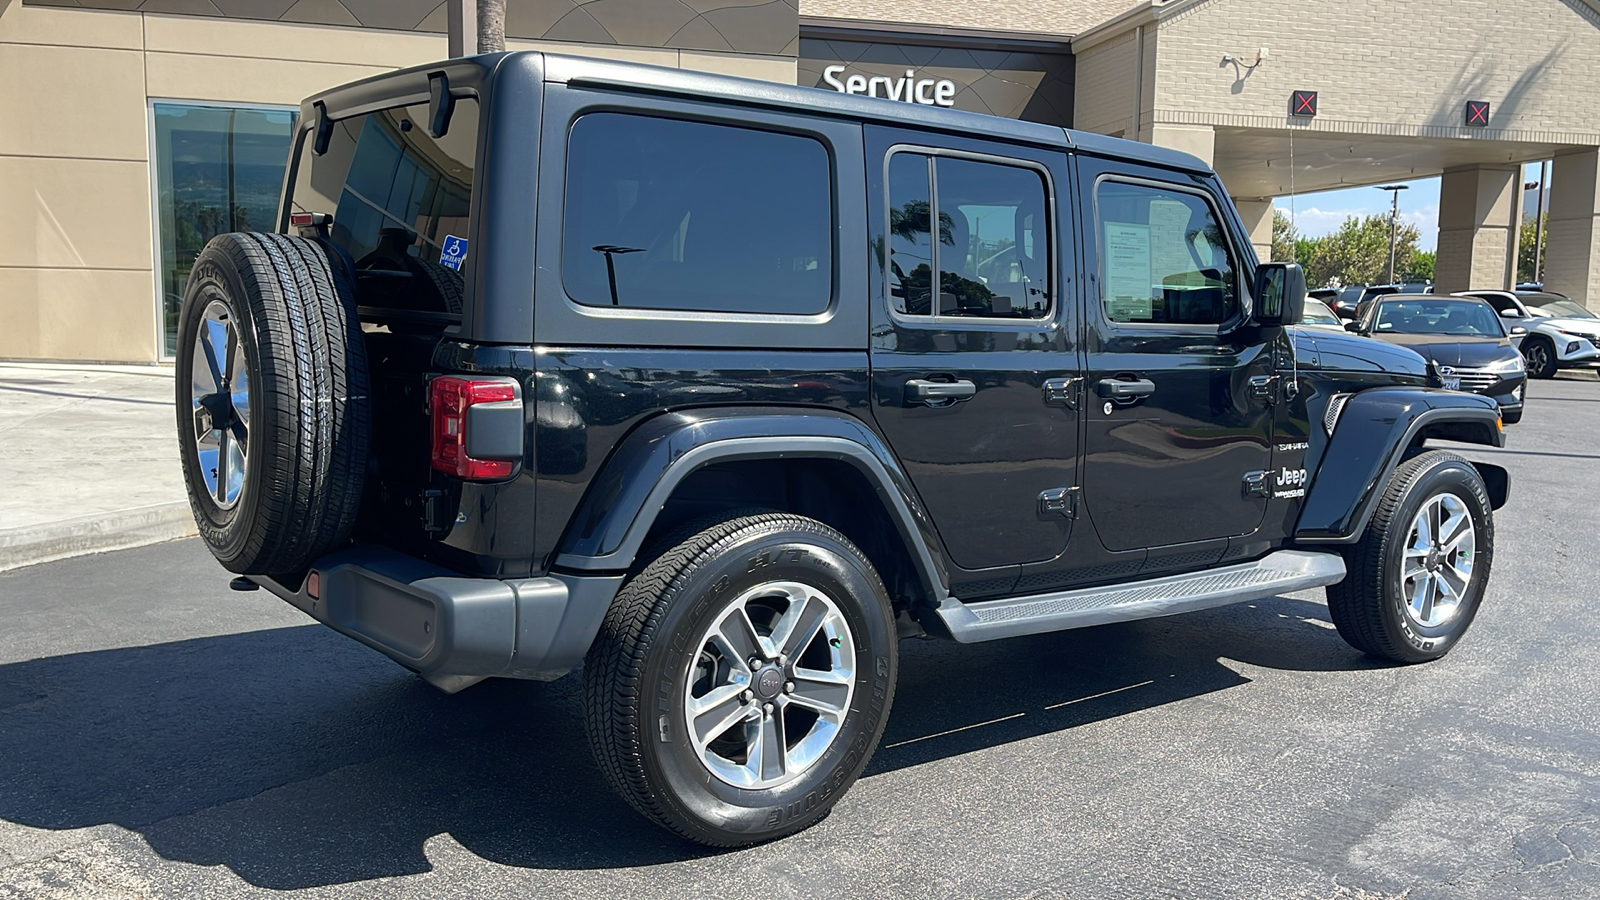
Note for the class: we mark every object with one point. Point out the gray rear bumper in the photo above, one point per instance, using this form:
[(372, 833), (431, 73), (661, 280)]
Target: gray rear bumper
[(451, 629)]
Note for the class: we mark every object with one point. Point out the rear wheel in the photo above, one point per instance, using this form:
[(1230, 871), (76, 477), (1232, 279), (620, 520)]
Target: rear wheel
[(1417, 575), (742, 679), (1540, 356)]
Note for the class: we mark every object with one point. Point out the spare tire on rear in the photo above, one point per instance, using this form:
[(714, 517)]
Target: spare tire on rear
[(273, 412)]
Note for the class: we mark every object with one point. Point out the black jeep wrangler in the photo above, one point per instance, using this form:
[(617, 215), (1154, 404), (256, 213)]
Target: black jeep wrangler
[(720, 388)]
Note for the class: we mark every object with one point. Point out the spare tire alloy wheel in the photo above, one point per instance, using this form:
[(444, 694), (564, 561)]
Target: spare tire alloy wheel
[(742, 679), (220, 394), (272, 402)]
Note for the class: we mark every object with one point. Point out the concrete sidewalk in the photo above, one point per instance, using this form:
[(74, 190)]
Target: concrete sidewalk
[(88, 461)]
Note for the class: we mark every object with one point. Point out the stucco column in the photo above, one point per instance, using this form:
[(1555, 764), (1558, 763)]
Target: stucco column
[(1200, 140), (1571, 255), (1480, 212), (1257, 217)]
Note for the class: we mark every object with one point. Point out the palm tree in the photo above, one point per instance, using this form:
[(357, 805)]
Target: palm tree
[(491, 26)]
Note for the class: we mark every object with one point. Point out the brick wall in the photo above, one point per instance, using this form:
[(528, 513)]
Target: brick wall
[(1387, 68), (1038, 16)]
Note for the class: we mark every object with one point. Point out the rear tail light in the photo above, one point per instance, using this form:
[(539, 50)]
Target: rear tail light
[(477, 426)]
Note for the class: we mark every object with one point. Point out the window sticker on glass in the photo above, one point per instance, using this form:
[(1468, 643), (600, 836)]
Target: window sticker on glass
[(1127, 267), (1169, 244), (453, 252)]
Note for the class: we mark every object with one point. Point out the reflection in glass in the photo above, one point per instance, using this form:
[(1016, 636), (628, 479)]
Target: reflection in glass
[(995, 268), (1163, 257), (910, 234), (993, 240), (672, 214), (217, 169)]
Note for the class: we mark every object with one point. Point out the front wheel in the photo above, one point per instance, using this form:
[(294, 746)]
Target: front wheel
[(1540, 357), (1417, 575), (742, 679)]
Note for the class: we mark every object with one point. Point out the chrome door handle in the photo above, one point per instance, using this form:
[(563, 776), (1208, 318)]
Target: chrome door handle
[(1112, 389), (939, 393)]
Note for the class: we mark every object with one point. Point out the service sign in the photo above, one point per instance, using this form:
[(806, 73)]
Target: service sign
[(909, 88)]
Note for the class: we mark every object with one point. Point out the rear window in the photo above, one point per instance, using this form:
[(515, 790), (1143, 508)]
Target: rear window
[(400, 200), (680, 215)]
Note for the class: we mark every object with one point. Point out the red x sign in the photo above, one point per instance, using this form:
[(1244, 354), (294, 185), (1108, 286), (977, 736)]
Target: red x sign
[(1303, 103), (1477, 113)]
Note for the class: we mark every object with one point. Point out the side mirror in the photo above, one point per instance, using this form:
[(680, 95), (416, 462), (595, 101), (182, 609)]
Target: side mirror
[(1510, 314), (1518, 329), (1353, 326), (1280, 294)]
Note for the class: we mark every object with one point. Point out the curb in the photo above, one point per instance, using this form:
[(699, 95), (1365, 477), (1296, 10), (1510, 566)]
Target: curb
[(36, 544)]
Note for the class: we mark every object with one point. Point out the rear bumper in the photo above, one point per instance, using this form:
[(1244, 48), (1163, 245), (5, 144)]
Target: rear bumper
[(451, 629)]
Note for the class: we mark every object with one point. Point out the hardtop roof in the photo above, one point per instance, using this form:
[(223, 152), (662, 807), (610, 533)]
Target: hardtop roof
[(371, 93)]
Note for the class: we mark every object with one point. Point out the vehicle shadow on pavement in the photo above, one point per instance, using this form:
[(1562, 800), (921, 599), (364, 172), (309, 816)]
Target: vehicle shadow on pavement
[(297, 759)]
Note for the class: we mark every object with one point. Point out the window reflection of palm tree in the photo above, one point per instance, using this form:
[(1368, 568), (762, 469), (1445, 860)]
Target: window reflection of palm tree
[(912, 223)]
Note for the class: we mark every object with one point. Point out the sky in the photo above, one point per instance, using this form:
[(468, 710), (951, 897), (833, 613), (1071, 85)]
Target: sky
[(1318, 214)]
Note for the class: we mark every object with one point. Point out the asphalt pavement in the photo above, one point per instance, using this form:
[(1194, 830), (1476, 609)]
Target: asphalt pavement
[(163, 736)]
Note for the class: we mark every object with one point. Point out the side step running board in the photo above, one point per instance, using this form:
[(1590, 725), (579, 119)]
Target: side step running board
[(1277, 573)]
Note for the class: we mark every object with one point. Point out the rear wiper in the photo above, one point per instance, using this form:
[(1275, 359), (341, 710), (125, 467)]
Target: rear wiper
[(611, 267)]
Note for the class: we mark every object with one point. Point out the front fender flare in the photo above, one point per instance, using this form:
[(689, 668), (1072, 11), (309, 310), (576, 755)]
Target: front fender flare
[(1370, 438), (611, 524)]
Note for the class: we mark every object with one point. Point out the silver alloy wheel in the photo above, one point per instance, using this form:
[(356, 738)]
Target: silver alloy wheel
[(770, 687), (1437, 567), (220, 393)]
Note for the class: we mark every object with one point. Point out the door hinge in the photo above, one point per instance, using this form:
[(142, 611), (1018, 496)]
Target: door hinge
[(1062, 392), (1261, 387), (434, 513), (1059, 503), (1256, 484)]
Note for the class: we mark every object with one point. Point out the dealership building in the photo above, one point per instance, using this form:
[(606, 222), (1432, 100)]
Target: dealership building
[(131, 131)]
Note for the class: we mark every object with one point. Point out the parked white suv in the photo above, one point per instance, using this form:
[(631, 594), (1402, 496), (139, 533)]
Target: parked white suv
[(1561, 334)]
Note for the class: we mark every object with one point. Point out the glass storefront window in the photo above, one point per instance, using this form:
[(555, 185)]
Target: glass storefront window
[(217, 169)]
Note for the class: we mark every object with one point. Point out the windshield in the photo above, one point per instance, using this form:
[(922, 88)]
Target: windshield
[(1569, 309), (1463, 317), (1318, 313)]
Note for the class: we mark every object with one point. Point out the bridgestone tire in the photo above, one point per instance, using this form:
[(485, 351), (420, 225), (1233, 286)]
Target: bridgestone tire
[(645, 659), (305, 367), (1369, 607)]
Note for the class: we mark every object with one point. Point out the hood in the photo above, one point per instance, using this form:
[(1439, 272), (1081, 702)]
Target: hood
[(1576, 325), (1346, 352), (1454, 349)]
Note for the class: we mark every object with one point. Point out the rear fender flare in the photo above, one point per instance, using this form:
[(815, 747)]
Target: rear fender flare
[(608, 531), (1370, 438)]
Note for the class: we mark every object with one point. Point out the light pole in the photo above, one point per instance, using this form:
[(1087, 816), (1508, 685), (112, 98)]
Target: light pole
[(1394, 220)]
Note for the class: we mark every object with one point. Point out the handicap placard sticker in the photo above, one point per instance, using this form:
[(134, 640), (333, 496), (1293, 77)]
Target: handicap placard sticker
[(454, 252)]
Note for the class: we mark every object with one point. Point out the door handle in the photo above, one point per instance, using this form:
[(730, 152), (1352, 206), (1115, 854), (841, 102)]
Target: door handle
[(1112, 389), (939, 393)]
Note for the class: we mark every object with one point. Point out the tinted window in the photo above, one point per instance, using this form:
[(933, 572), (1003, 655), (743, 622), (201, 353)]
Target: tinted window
[(672, 214), (1463, 317), (1317, 313), (910, 234), (400, 201), (1163, 257), (993, 246), (1568, 308)]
